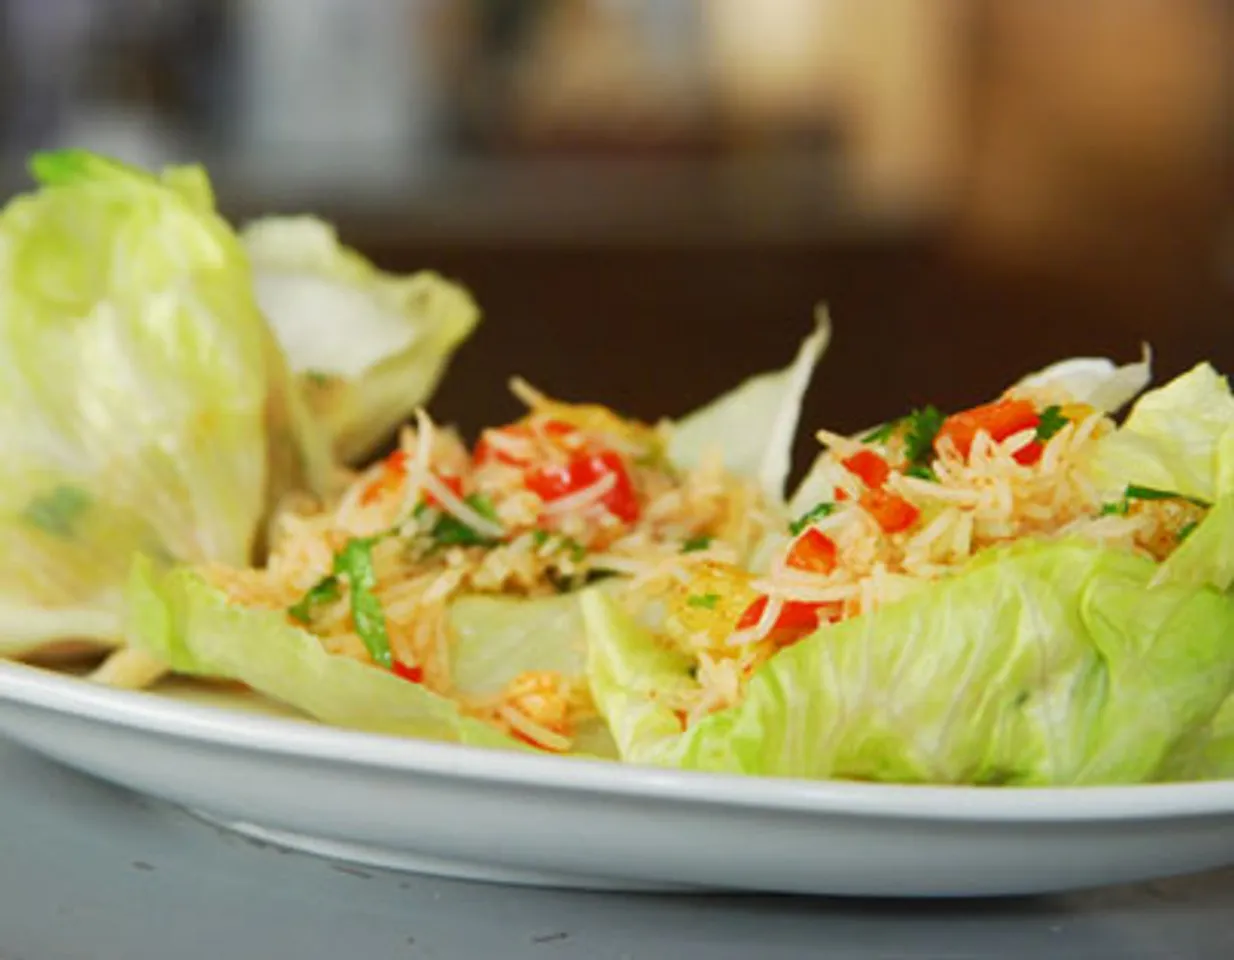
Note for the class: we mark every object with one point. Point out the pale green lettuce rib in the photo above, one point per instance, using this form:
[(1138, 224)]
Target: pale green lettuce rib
[(369, 347), (144, 405)]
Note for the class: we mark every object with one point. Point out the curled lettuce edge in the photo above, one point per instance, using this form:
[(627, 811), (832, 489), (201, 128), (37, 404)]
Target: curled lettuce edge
[(755, 425), (1096, 381), (430, 315)]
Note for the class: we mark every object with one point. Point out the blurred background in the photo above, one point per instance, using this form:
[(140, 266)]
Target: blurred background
[(649, 197)]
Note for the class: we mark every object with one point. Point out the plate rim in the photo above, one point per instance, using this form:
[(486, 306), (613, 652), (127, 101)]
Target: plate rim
[(152, 713)]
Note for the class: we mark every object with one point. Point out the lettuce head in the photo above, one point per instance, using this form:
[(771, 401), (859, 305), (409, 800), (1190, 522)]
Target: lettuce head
[(144, 405)]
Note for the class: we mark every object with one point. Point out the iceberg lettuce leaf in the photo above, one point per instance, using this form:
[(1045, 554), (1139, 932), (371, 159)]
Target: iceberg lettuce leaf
[(1179, 437), (178, 618), (144, 404), (1040, 664), (754, 426), (1096, 381), (369, 347)]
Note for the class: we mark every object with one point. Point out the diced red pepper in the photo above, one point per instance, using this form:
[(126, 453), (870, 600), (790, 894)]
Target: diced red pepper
[(841, 494), (1030, 453), (1000, 419), (892, 512), (797, 619), (394, 468), (813, 551), (411, 672), (555, 481), (869, 466)]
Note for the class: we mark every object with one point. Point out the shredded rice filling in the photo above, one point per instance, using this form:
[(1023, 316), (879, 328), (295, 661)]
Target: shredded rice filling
[(950, 504), (440, 521)]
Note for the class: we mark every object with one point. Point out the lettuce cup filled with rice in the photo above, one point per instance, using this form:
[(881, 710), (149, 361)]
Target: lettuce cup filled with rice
[(437, 597), (1025, 592)]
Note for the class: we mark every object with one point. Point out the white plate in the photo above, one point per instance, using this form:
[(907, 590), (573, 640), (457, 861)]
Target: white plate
[(506, 817)]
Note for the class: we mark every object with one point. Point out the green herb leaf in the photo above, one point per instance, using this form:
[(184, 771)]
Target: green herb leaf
[(921, 472), (319, 378), (449, 531), (881, 434), (58, 511), (1052, 420), (819, 511), (1187, 530), (695, 544), (576, 550), (1118, 508), (706, 601), (1134, 492), (355, 561), (923, 427), (326, 590)]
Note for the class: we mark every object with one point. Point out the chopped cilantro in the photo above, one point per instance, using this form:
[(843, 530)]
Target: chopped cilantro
[(705, 601), (326, 590), (57, 511), (881, 434), (921, 472), (1187, 530), (819, 511), (576, 549), (1134, 492), (450, 531), (1118, 508), (1052, 420), (923, 427), (355, 561), (694, 544), (319, 378)]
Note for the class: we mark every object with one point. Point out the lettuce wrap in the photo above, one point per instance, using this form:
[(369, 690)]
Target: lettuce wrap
[(1059, 661), (181, 619), (144, 405), (367, 347)]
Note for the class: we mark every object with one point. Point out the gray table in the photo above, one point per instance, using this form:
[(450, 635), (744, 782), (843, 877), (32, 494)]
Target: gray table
[(91, 872)]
